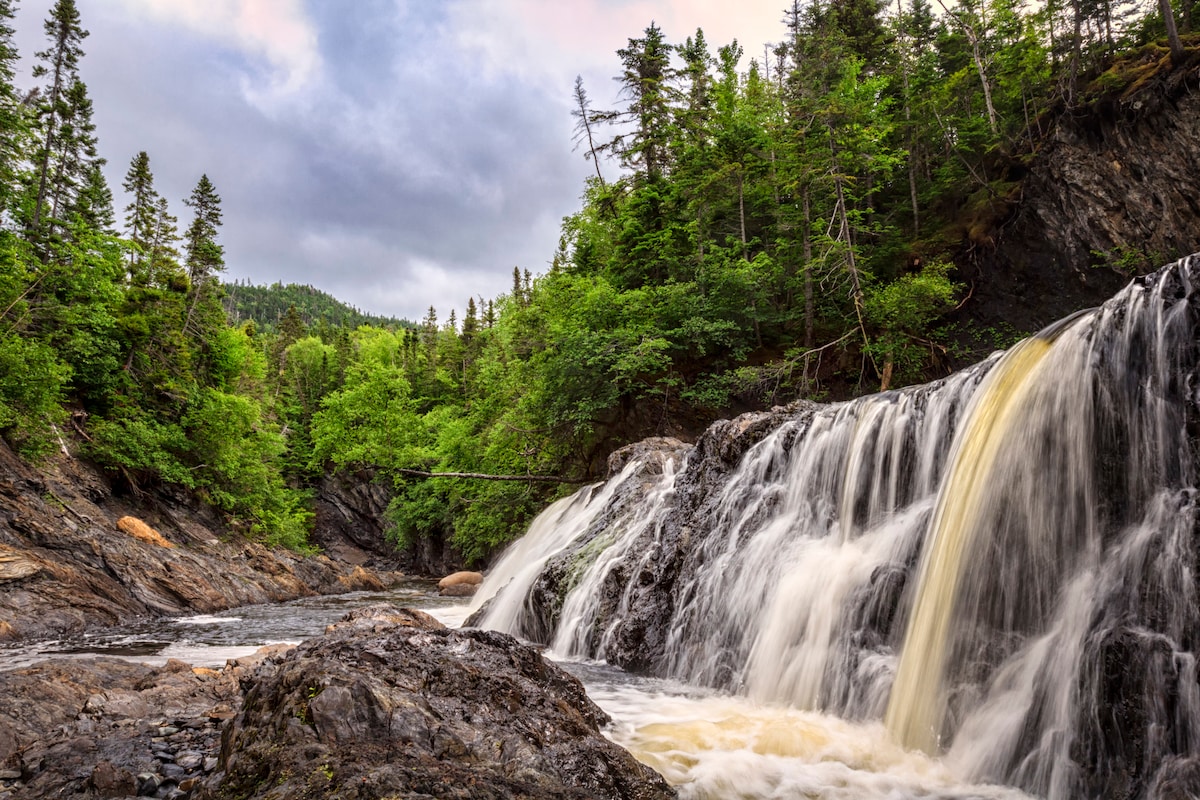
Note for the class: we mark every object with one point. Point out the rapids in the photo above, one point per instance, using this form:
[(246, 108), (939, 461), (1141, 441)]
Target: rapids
[(991, 579)]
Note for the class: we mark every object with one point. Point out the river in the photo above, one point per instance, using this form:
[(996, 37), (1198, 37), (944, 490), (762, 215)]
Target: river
[(708, 744)]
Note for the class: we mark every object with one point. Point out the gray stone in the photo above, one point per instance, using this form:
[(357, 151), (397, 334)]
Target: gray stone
[(387, 699)]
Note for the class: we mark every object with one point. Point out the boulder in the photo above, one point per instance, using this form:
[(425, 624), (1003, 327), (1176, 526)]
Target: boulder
[(389, 704), (140, 530), (460, 578)]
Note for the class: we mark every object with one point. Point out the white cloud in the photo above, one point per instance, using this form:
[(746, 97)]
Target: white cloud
[(278, 31), (542, 39)]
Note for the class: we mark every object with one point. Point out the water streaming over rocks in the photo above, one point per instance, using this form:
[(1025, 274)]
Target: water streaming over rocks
[(1000, 566)]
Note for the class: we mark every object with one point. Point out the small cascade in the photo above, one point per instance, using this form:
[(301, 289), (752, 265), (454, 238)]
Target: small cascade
[(565, 542), (1000, 566)]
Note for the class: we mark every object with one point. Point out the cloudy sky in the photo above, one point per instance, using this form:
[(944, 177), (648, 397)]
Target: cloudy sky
[(395, 153)]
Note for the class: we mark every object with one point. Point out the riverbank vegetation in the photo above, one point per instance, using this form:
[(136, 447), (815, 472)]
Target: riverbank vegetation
[(760, 227)]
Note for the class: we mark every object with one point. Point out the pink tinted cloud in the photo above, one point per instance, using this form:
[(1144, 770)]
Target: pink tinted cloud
[(581, 35), (278, 31)]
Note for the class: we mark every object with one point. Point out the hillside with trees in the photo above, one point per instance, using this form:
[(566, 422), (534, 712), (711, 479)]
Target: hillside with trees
[(757, 231), (268, 306)]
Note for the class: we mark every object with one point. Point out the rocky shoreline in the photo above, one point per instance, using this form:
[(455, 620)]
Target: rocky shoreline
[(76, 556), (387, 704)]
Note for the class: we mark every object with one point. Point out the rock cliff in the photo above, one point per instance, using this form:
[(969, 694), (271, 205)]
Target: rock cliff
[(74, 556), (1112, 190)]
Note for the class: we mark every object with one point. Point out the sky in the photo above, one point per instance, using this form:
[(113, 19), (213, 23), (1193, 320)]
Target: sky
[(396, 154)]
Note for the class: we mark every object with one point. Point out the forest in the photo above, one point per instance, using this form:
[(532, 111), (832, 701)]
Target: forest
[(758, 230)]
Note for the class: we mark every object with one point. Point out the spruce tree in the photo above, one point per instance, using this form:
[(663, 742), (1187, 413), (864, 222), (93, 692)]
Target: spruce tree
[(647, 80), (60, 64), (204, 258), (470, 321), (13, 118), (141, 216), (163, 262), (77, 158), (94, 205)]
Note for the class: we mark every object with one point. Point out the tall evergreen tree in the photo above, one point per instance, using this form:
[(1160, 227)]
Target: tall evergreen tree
[(163, 264), (141, 216), (77, 157), (94, 205), (470, 321), (14, 122), (647, 81), (204, 257), (60, 64)]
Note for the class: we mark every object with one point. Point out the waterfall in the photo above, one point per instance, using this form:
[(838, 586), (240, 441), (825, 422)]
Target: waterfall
[(1001, 566), (995, 424)]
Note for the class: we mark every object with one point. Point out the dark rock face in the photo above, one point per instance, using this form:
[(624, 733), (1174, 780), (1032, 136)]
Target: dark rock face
[(66, 566), (1113, 188), (103, 727), (349, 521), (391, 704), (351, 525)]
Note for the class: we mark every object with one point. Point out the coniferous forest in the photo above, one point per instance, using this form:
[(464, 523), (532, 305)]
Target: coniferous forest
[(759, 228)]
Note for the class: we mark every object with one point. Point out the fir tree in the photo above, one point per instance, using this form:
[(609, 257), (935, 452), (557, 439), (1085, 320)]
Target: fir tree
[(163, 268), (78, 159), (95, 202), (204, 257), (13, 119), (60, 63), (470, 321), (141, 216)]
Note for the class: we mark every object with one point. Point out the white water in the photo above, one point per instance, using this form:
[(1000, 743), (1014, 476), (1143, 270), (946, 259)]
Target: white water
[(714, 746), (1016, 543)]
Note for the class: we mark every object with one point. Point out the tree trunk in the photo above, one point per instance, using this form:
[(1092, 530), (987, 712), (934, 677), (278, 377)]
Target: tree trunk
[(742, 213), (51, 128), (912, 149), (977, 57), (1177, 52), (809, 310), (479, 476)]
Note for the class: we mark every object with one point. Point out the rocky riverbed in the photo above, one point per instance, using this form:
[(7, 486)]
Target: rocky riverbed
[(388, 703)]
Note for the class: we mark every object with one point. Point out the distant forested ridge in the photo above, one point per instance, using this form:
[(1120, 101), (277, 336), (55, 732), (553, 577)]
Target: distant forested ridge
[(267, 306), (757, 230)]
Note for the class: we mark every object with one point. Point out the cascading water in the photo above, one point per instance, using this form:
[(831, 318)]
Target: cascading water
[(1001, 565)]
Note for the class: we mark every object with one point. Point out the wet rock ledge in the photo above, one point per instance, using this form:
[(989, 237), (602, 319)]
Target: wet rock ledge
[(387, 704)]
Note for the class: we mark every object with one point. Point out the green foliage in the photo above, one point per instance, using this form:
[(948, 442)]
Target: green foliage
[(1127, 260), (235, 469), (143, 449), (902, 313), (32, 382), (266, 306)]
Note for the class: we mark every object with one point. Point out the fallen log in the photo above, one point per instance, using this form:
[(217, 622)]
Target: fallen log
[(485, 477)]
